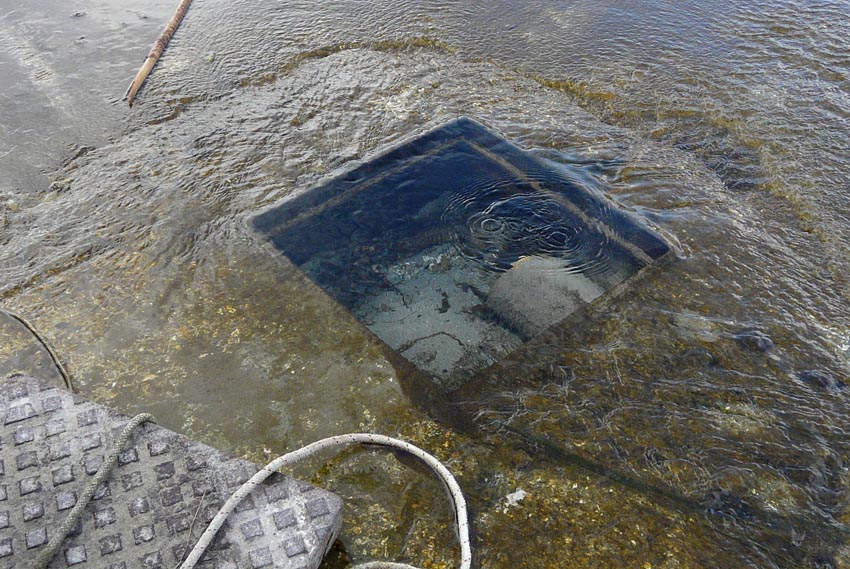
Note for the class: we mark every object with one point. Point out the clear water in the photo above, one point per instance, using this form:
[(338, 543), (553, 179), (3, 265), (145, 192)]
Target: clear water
[(700, 421), (457, 247)]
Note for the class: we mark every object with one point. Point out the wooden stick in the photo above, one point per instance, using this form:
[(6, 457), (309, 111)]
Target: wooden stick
[(156, 51)]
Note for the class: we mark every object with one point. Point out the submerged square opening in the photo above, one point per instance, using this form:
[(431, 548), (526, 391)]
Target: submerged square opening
[(457, 247)]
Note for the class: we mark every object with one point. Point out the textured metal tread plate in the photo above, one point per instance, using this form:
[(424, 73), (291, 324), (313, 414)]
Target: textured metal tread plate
[(52, 441)]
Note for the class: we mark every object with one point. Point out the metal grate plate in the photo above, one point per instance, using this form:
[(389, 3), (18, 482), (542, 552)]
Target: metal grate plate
[(52, 441)]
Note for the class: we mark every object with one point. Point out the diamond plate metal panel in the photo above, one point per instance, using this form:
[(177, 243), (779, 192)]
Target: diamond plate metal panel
[(52, 441)]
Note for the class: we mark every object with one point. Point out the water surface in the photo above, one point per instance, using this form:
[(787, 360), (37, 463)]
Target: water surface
[(699, 421)]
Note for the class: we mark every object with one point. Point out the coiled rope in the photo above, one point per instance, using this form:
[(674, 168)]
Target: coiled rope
[(366, 439), (462, 522), (451, 485)]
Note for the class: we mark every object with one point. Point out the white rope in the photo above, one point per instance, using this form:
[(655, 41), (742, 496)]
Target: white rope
[(332, 442), (90, 488)]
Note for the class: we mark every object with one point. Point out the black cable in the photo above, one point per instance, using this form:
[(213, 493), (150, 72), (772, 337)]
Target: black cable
[(66, 377)]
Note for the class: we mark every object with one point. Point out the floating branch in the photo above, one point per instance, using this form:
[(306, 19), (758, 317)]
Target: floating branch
[(156, 51)]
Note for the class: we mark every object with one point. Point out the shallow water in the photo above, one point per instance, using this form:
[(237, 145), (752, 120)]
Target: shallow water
[(698, 421)]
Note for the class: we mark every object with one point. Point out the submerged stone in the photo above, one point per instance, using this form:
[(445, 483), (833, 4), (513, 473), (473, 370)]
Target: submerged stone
[(721, 502), (457, 247), (821, 379), (824, 561), (754, 340), (699, 357), (536, 292)]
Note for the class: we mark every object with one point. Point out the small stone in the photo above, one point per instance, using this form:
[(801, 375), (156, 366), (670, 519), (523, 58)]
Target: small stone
[(90, 441), (131, 481), (515, 498), (284, 519), (36, 538), (26, 460), (110, 544), (158, 447), (178, 523), (87, 418), (821, 379), (53, 428), (754, 340), (93, 464), (252, 529), (29, 485), (151, 561), (138, 506), (246, 505), (32, 511), (202, 487), (317, 508), (699, 357), (24, 435), (276, 492), (20, 413), (261, 557), (164, 470), (65, 500), (59, 451), (144, 534), (52, 404), (65, 183), (128, 456), (63, 474), (102, 491), (721, 502), (171, 496), (104, 517), (294, 546)]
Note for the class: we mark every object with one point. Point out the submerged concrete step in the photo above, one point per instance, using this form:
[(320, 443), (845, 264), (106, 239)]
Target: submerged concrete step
[(155, 503)]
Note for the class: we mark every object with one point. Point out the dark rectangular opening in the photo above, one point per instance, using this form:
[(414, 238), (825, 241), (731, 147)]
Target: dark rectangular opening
[(457, 247)]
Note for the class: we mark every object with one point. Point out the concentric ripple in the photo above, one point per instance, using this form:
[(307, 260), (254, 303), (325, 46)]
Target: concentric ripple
[(497, 223)]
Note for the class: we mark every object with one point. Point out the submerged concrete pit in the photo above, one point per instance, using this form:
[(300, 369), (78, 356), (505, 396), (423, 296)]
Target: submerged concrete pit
[(457, 247)]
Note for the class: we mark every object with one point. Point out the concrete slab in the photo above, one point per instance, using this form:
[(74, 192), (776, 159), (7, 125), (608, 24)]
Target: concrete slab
[(537, 292), (157, 500)]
